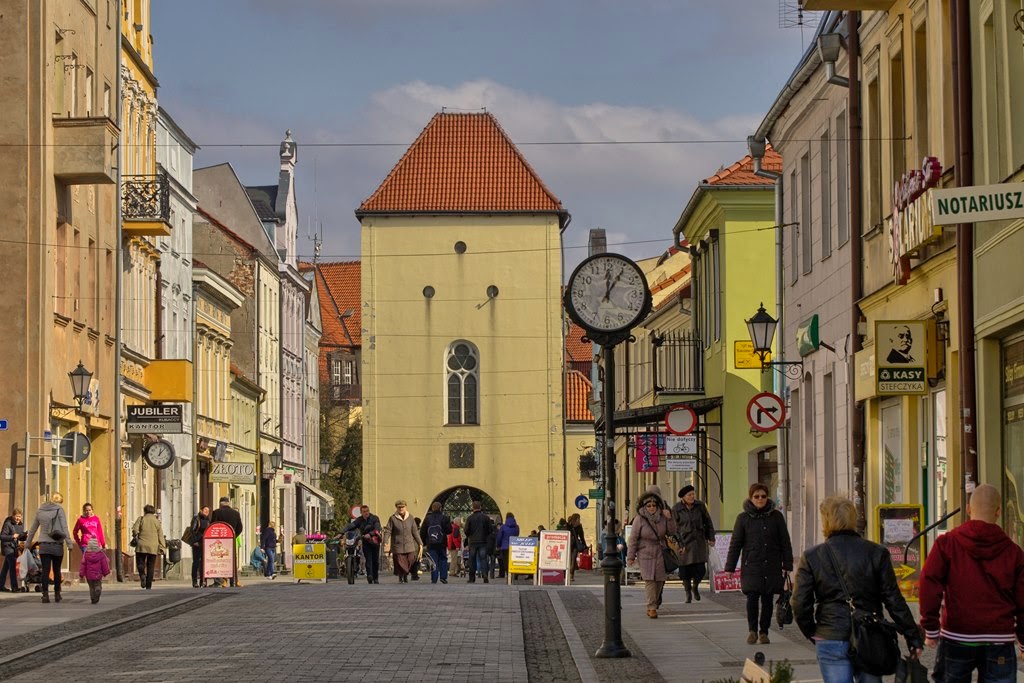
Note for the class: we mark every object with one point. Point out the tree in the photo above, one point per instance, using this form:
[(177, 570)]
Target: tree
[(344, 478)]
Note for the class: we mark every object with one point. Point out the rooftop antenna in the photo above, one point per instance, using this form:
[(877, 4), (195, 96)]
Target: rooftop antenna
[(793, 15)]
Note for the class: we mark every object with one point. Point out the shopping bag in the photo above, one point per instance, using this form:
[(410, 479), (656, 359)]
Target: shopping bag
[(714, 561), (24, 562), (911, 671)]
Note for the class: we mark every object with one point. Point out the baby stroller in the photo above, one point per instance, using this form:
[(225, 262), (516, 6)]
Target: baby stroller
[(31, 574)]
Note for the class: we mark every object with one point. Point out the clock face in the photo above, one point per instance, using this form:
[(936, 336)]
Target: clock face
[(607, 293), (159, 454)]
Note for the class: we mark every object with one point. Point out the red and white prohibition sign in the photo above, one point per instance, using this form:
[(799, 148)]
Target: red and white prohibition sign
[(680, 420), (766, 412)]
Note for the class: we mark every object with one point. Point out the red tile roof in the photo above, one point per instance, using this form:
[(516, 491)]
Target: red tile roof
[(575, 348), (461, 163), (742, 172), (338, 289), (578, 390), (671, 279)]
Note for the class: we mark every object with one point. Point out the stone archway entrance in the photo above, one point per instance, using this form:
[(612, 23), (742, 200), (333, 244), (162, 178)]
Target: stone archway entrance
[(456, 502)]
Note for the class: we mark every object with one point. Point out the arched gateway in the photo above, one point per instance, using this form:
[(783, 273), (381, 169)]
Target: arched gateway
[(456, 502)]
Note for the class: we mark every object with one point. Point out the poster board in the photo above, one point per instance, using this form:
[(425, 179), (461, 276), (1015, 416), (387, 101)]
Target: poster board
[(522, 555), (553, 554), (310, 563), (219, 551), (895, 524), (635, 569), (724, 582)]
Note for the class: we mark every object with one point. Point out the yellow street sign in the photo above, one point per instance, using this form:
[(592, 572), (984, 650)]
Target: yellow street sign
[(310, 562), (744, 357)]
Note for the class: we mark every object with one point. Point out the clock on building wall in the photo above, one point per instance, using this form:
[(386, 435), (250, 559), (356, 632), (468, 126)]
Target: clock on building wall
[(159, 454), (607, 295)]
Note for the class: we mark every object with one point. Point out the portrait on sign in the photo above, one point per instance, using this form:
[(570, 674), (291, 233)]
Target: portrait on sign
[(901, 356)]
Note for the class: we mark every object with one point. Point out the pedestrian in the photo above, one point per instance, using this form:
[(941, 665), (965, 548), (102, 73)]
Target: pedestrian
[(268, 544), (507, 530), (577, 542), (200, 523), (562, 524), (435, 532), (229, 515), (479, 528), (88, 526), (371, 536), (761, 536), (402, 540), (11, 533), (652, 524), (455, 549), (696, 533), (149, 542), (93, 568), (975, 573), (52, 524), (819, 604), (258, 560)]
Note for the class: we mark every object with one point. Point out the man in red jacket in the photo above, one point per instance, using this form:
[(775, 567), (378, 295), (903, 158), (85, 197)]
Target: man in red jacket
[(975, 573)]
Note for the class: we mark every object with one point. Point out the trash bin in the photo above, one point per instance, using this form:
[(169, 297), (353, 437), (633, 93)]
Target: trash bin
[(332, 561), (174, 551)]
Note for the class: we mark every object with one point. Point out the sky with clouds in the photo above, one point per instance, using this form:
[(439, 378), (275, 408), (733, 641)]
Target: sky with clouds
[(357, 80)]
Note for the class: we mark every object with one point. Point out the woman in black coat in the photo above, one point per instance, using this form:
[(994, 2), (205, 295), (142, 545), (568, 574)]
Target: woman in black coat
[(696, 534), (761, 536)]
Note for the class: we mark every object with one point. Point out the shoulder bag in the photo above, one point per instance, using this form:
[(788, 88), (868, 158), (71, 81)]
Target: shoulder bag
[(668, 555), (55, 533), (783, 608), (874, 648)]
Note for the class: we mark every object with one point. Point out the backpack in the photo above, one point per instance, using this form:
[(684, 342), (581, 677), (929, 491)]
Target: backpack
[(436, 535)]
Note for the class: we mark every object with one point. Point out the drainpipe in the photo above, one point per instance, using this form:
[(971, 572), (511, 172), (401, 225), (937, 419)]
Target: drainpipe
[(757, 149), (856, 417), (964, 171), (118, 290)]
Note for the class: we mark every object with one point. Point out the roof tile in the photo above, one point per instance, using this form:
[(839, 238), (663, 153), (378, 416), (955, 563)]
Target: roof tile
[(577, 397), (461, 163), (742, 172), (338, 288)]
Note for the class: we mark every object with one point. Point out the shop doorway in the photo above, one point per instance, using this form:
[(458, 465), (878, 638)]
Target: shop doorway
[(935, 481)]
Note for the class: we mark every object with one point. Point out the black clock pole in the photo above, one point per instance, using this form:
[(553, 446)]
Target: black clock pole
[(611, 566)]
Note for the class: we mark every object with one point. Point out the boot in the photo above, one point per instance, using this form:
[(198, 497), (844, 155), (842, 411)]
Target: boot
[(56, 596), (46, 597), (696, 593), (689, 591)]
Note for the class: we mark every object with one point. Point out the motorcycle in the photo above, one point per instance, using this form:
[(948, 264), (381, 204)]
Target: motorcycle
[(353, 554)]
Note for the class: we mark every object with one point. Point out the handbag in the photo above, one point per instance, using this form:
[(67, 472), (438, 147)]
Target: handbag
[(55, 533), (873, 645), (188, 536), (783, 609), (910, 670), (669, 557)]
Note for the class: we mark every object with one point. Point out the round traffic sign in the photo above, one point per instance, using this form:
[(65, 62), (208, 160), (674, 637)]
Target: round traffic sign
[(766, 412), (582, 502), (354, 512), (680, 420)]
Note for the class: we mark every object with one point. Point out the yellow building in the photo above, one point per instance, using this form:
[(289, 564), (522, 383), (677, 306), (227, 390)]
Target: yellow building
[(58, 177), (462, 337), (733, 253)]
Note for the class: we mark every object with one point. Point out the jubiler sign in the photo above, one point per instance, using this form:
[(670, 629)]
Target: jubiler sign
[(155, 419), (977, 204)]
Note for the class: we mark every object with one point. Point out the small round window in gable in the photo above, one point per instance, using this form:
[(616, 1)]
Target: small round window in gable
[(460, 247)]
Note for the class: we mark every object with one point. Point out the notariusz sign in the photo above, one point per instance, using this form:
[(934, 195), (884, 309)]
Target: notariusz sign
[(976, 204)]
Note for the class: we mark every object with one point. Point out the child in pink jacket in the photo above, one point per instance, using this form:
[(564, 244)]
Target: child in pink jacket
[(93, 568)]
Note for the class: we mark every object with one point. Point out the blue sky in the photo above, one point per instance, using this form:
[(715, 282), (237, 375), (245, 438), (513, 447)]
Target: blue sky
[(235, 74)]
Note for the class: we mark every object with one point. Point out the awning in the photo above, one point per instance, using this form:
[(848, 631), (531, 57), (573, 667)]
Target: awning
[(322, 495)]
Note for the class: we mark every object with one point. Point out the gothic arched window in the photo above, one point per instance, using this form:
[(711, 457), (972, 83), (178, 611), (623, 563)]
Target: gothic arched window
[(462, 384)]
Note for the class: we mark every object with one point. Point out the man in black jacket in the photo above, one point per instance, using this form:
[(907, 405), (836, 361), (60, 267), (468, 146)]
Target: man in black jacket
[(478, 528), (200, 523), (229, 515), (369, 528), (434, 533)]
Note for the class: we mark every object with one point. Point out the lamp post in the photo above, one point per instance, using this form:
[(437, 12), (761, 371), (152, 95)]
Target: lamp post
[(80, 379), (276, 460), (325, 467), (761, 327)]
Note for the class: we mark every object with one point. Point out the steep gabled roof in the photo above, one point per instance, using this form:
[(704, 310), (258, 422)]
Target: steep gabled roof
[(263, 198), (577, 396), (575, 348), (338, 289), (742, 172), (462, 163)]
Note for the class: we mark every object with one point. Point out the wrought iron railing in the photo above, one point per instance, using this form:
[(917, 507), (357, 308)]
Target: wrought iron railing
[(146, 198), (346, 392), (678, 362)]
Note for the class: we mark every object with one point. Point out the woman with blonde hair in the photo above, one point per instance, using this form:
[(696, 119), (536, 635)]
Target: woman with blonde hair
[(819, 596), (52, 524)]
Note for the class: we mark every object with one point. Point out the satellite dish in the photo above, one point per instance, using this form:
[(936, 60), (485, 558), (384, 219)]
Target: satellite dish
[(220, 451)]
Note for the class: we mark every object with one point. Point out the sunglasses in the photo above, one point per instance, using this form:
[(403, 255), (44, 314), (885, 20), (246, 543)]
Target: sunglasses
[(651, 505), (758, 495)]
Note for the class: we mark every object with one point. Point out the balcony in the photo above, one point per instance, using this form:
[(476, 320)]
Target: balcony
[(678, 363), (84, 151), (346, 393), (819, 5), (146, 205)]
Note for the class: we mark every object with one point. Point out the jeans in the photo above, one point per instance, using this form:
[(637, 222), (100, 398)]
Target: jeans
[(479, 561), (10, 566), (996, 663), (836, 667), (766, 603), (51, 562), (271, 554), (197, 565), (371, 553), (440, 557)]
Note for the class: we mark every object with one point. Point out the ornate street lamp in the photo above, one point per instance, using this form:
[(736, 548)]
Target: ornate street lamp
[(762, 332), (325, 467), (276, 459), (80, 378)]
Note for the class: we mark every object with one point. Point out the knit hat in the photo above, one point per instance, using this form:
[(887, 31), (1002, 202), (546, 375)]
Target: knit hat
[(92, 546), (686, 489)]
